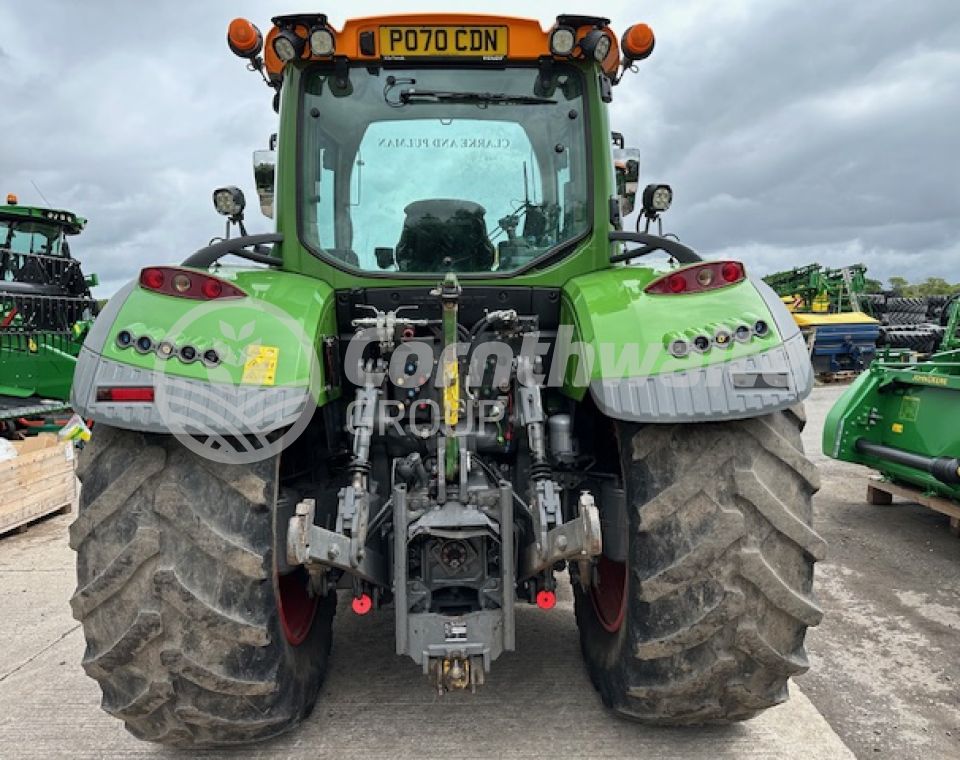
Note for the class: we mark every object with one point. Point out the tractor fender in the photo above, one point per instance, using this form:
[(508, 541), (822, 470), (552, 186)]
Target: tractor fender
[(633, 375), (267, 369)]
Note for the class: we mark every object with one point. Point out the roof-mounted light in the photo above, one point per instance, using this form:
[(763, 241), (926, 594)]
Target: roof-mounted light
[(288, 45), (244, 38), (322, 42), (563, 40), (637, 43), (12, 199), (596, 45)]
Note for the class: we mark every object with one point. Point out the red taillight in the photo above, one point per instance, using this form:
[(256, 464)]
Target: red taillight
[(211, 288), (186, 283), (152, 278), (732, 271), (126, 394), (699, 278)]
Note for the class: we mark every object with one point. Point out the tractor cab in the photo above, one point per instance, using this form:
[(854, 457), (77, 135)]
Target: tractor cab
[(45, 309), (430, 144)]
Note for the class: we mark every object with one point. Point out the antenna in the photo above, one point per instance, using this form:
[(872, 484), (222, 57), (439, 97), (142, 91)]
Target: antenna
[(526, 191), (41, 193)]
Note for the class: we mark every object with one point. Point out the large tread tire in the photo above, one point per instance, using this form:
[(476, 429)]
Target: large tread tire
[(720, 574), (177, 595)]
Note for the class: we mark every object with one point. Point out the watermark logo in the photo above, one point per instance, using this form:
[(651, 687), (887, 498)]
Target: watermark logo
[(234, 412), (240, 409)]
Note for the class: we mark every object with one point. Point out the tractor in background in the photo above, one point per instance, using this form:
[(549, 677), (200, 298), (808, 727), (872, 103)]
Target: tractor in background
[(46, 309)]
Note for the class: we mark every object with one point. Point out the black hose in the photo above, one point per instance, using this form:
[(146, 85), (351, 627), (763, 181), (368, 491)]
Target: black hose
[(944, 469)]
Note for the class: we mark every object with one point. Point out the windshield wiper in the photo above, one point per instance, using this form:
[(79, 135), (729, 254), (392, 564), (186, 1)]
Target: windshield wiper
[(480, 98)]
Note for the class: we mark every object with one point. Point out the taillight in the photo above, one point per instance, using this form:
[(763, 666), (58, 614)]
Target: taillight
[(186, 283), (152, 278), (125, 394), (698, 278)]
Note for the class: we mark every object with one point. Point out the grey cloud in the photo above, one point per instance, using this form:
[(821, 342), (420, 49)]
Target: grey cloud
[(791, 131)]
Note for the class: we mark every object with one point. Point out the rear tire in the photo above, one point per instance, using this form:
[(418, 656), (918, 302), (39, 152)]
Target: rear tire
[(177, 594), (717, 592)]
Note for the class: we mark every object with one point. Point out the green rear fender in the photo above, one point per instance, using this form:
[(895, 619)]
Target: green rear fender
[(270, 341), (621, 339)]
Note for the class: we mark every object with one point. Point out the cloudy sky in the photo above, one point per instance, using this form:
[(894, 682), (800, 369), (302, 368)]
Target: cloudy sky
[(792, 130)]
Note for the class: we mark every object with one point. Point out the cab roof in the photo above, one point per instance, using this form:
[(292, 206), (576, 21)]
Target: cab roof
[(367, 38), (70, 222)]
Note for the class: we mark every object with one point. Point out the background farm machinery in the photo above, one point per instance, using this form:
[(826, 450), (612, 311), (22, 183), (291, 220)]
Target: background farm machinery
[(46, 310)]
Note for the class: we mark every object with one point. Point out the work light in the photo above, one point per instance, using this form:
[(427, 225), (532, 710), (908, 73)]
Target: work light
[(563, 40), (288, 45), (321, 41), (229, 201), (657, 198), (595, 45)]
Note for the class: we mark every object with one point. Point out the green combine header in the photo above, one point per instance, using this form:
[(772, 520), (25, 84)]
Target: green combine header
[(900, 418), (45, 310)]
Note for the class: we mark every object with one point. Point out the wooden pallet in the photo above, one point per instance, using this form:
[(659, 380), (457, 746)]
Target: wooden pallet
[(39, 481), (881, 493), (847, 376)]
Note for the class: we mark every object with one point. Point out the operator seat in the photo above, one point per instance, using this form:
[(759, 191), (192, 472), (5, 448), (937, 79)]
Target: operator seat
[(443, 234)]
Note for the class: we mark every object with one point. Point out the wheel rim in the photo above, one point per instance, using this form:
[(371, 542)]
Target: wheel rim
[(609, 594), (295, 606)]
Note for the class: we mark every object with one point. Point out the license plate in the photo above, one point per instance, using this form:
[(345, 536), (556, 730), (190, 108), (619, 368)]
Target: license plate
[(443, 41)]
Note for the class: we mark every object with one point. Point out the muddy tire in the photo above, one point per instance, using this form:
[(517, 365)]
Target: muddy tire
[(177, 594), (716, 596)]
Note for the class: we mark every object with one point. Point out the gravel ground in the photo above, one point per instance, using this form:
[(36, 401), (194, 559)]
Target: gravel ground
[(883, 677), (885, 668)]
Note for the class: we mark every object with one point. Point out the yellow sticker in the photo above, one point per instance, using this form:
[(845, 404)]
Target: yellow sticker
[(261, 365), (896, 427)]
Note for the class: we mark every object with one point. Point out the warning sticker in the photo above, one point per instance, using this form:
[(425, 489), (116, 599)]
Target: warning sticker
[(909, 408), (260, 367)]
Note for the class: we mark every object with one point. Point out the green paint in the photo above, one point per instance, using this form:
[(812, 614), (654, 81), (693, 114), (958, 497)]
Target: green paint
[(36, 360), (287, 311), (923, 395), (628, 330), (604, 305)]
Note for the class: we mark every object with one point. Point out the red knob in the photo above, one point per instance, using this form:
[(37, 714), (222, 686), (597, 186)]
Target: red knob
[(362, 604), (546, 600)]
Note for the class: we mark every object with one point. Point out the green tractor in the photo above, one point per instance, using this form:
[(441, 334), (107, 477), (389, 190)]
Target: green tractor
[(448, 382), (46, 310)]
